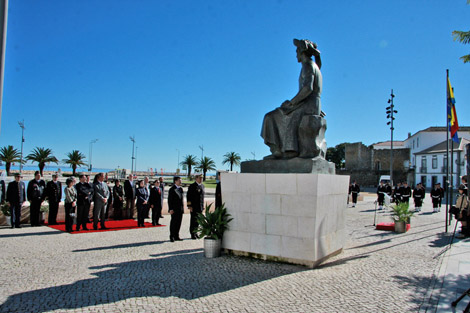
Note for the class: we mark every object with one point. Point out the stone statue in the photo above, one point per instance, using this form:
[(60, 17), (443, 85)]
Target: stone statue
[(297, 127)]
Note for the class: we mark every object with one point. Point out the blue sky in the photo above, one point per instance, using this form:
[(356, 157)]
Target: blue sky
[(180, 74)]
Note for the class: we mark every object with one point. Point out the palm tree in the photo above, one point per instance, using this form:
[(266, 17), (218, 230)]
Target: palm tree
[(42, 156), (204, 165), (233, 158), (189, 160), (463, 37), (9, 155), (74, 158)]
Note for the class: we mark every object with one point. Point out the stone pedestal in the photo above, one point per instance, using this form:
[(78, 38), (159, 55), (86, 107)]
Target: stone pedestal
[(294, 218), (316, 165)]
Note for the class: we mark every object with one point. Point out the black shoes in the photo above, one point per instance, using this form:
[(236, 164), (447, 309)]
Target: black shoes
[(178, 239), (171, 239)]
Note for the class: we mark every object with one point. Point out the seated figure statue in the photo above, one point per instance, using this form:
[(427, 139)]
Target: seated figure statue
[(297, 127)]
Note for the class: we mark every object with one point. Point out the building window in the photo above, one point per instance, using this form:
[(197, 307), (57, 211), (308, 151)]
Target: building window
[(423, 181), (434, 161), (445, 161), (424, 162), (413, 143), (378, 166)]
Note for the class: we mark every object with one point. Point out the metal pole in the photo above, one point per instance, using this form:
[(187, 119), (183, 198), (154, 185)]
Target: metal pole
[(391, 142), (468, 169), (90, 164), (3, 31), (447, 154), (202, 151), (133, 142), (177, 167), (135, 162), (22, 141)]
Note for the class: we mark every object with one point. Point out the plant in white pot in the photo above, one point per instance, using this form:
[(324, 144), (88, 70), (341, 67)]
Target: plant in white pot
[(212, 226), (401, 215)]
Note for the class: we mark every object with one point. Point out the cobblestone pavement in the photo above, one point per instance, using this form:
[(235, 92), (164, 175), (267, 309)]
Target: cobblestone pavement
[(141, 271)]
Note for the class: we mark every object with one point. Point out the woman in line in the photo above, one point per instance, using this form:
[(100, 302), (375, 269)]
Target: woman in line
[(155, 202), (142, 199), (70, 204), (462, 204), (118, 195)]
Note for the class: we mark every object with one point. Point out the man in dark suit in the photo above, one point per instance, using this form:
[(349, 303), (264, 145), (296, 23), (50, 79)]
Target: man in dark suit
[(405, 191), (84, 196), (35, 195), (100, 198), (129, 191), (16, 196), (354, 190), (54, 195), (162, 189), (175, 208), (195, 203)]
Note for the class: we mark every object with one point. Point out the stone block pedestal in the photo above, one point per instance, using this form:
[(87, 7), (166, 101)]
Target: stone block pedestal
[(294, 218)]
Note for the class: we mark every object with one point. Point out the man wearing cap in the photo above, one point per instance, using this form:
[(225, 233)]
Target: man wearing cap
[(435, 196), (35, 195), (405, 192), (16, 196), (418, 196), (195, 203), (354, 190), (54, 195)]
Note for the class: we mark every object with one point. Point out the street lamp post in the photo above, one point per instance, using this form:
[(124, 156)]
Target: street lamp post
[(132, 138), (202, 151), (135, 159), (178, 166), (22, 140), (90, 165), (390, 111)]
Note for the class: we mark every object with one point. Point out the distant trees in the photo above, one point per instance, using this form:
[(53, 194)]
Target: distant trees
[(463, 37), (232, 158), (75, 159), (206, 164), (42, 156), (9, 155), (336, 155), (189, 161)]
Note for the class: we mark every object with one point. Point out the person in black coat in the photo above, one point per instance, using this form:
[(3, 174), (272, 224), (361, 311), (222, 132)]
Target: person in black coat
[(16, 196), (405, 192), (381, 191), (118, 199), (418, 196), (142, 201), (195, 203), (109, 204), (435, 197), (54, 195), (175, 208), (35, 193), (2, 189), (129, 191), (155, 202), (354, 192), (84, 198), (442, 195)]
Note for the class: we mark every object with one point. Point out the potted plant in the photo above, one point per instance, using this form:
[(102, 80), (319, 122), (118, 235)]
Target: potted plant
[(44, 209), (5, 207), (212, 226), (401, 215)]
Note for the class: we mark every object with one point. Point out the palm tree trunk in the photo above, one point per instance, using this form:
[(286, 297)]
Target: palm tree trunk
[(189, 171), (41, 168), (7, 167), (74, 168), (204, 175), (231, 166)]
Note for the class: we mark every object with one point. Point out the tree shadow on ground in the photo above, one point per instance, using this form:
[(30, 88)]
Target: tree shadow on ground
[(185, 274), (46, 233), (452, 288)]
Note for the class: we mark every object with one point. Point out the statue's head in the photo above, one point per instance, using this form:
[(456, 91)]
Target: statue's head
[(306, 47)]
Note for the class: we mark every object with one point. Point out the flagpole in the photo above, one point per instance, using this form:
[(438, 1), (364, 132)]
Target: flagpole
[(447, 151)]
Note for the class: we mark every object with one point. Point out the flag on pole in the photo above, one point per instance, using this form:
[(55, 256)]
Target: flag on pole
[(452, 113)]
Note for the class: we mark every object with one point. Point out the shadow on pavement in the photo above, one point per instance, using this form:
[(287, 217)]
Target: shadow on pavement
[(31, 234), (122, 246), (185, 274)]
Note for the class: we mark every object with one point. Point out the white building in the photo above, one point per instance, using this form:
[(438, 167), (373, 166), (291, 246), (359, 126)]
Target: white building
[(428, 155)]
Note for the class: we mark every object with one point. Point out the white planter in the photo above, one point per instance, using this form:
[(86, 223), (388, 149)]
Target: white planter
[(8, 220), (212, 248), (400, 227)]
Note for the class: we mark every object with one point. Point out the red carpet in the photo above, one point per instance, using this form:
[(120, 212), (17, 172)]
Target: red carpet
[(111, 225), (389, 226)]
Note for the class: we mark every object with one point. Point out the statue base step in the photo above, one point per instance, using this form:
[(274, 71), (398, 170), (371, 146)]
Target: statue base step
[(295, 165)]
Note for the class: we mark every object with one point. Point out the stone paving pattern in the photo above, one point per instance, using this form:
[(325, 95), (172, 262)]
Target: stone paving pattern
[(45, 270)]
